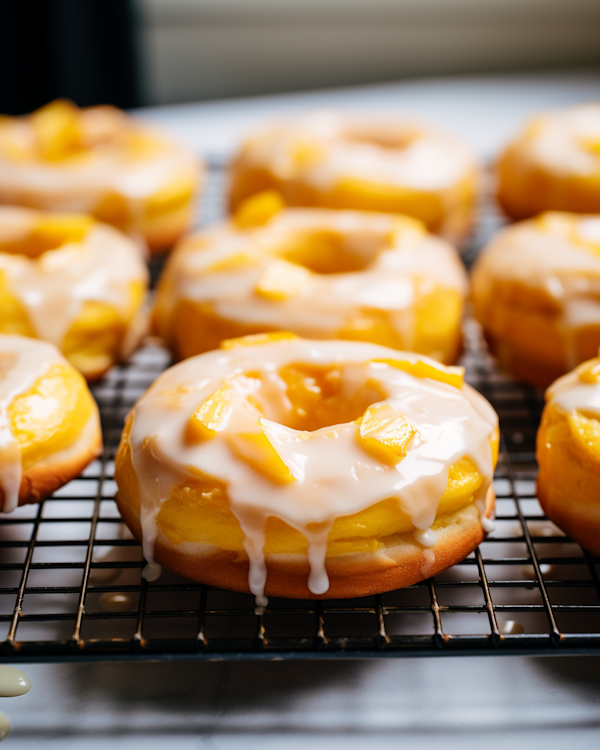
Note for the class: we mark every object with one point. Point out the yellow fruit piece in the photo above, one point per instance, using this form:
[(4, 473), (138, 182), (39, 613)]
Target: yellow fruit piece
[(384, 434), (589, 372), (51, 414), (405, 227), (233, 263), (444, 374), (49, 232), (306, 153), (257, 339), (258, 210), (58, 130), (170, 198), (256, 449), (211, 417), (282, 280)]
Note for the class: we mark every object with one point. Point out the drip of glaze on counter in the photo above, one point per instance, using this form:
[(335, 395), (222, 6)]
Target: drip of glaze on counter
[(13, 682)]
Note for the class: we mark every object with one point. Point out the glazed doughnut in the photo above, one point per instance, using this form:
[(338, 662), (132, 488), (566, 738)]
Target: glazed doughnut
[(101, 162), (553, 164), (568, 452), (321, 274), (308, 469), (49, 423), (536, 292), (72, 281), (330, 160)]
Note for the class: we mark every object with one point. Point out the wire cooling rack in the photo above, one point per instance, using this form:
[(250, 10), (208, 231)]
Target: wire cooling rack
[(70, 572)]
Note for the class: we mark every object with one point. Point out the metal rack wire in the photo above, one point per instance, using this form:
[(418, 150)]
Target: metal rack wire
[(70, 572)]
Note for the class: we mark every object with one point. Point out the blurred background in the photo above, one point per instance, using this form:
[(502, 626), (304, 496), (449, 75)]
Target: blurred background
[(151, 52)]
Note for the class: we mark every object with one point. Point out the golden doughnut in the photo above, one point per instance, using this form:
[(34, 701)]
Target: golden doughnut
[(536, 292), (74, 282), (553, 165), (319, 273), (568, 452), (99, 161), (308, 469), (49, 422), (330, 160)]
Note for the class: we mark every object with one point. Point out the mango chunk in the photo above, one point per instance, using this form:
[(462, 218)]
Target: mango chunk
[(258, 210), (256, 339), (49, 232), (306, 153), (282, 280), (434, 370), (589, 372), (256, 450), (58, 130), (405, 227), (211, 417), (384, 434)]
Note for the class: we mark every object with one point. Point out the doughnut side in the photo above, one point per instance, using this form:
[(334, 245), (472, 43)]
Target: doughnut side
[(44, 477), (568, 484), (401, 562)]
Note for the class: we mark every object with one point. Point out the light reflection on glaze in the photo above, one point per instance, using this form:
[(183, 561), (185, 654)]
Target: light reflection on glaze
[(334, 475), (13, 682), (570, 393), (22, 362)]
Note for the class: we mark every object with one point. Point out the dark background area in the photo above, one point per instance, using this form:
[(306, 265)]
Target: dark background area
[(84, 50)]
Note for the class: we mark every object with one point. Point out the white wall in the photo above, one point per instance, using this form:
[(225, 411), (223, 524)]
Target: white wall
[(201, 49)]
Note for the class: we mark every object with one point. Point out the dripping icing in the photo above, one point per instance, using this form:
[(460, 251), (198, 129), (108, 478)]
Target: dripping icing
[(22, 362), (334, 475)]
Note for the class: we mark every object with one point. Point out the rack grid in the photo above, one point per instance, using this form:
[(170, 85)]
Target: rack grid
[(70, 572)]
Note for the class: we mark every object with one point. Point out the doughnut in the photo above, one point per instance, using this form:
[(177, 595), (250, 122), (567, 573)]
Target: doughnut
[(73, 281), (101, 162), (553, 165), (317, 272), (331, 160), (568, 453), (536, 292), (287, 467), (49, 422)]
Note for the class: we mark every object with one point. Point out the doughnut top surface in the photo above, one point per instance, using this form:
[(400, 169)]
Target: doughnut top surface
[(323, 147), (308, 431)]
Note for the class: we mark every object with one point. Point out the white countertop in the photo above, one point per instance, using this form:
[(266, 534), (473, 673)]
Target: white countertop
[(451, 702)]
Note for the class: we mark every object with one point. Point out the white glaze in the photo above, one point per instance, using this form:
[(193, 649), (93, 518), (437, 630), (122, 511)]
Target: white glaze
[(22, 362), (544, 257), (4, 726), (334, 475), (570, 393), (53, 287), (396, 153), (13, 682), (560, 141), (399, 268)]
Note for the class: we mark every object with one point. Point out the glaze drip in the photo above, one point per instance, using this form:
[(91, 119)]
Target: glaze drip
[(305, 478), (22, 362)]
